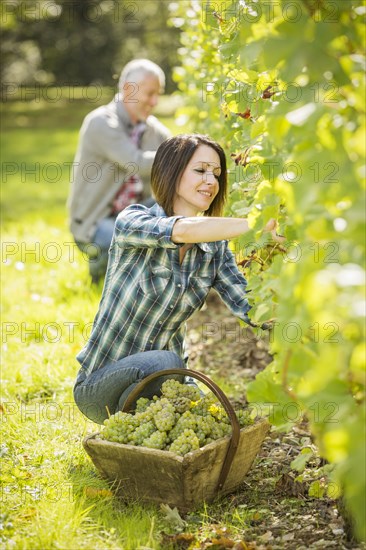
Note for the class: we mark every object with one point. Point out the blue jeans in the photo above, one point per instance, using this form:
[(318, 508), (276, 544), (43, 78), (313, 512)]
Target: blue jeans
[(97, 250), (106, 389)]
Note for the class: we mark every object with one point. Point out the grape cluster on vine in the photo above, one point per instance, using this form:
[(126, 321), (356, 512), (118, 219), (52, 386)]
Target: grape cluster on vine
[(179, 421)]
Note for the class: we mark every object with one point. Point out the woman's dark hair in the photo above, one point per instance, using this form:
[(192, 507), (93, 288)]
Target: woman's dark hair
[(171, 159)]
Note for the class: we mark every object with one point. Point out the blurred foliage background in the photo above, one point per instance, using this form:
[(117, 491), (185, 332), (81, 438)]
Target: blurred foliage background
[(78, 43)]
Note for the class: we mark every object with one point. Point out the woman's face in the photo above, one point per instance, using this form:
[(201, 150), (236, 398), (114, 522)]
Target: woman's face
[(199, 183)]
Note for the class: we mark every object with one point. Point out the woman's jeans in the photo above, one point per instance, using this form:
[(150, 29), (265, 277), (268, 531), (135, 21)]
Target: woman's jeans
[(105, 390)]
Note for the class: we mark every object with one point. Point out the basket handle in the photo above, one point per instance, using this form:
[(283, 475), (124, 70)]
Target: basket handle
[(234, 441)]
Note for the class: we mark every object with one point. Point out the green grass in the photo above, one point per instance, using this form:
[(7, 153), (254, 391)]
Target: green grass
[(52, 496)]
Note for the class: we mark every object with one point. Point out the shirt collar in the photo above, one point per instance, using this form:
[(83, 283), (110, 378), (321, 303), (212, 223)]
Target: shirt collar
[(123, 114), (157, 210), (121, 111)]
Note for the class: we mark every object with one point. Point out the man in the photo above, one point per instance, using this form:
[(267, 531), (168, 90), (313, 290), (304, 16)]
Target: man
[(116, 150)]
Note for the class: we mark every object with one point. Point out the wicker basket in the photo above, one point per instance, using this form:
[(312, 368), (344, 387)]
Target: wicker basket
[(141, 473)]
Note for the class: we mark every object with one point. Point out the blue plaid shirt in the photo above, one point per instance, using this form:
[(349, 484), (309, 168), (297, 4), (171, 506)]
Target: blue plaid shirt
[(148, 295)]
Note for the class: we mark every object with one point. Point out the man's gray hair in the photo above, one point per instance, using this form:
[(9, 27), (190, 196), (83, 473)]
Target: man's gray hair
[(136, 70)]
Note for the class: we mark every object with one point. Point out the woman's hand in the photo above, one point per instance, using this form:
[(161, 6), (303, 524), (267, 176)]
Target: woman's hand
[(271, 227)]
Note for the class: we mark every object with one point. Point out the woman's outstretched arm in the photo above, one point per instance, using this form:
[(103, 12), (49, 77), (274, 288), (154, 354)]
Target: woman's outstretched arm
[(206, 229)]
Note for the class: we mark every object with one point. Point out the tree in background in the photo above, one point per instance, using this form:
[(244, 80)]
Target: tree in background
[(281, 86), (82, 42)]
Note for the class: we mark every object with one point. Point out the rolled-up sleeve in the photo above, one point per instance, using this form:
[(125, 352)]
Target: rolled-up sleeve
[(231, 285), (136, 226)]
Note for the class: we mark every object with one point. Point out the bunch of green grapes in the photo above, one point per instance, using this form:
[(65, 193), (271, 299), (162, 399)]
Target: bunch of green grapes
[(202, 406), (142, 433), (157, 440), (244, 417), (187, 421), (119, 427), (186, 442), (179, 421), (173, 389)]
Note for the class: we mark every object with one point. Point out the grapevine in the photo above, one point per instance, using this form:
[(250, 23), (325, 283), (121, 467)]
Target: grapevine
[(300, 158), (179, 421)]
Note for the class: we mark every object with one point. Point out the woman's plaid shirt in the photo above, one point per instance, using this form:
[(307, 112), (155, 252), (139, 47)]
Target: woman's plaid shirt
[(148, 295)]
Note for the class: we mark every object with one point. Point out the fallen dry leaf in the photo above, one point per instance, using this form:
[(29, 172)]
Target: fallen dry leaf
[(288, 536), (222, 542), (94, 492), (267, 536), (181, 541)]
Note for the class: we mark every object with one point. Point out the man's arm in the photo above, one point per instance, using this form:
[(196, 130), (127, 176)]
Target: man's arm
[(115, 145)]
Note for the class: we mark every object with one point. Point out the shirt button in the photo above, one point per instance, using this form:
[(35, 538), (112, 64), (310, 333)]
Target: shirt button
[(171, 306), (179, 285), (151, 341), (160, 322)]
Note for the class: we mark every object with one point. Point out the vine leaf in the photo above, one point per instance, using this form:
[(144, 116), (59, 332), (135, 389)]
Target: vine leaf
[(302, 459)]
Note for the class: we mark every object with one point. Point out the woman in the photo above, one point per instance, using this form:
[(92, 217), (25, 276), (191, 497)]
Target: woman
[(163, 262)]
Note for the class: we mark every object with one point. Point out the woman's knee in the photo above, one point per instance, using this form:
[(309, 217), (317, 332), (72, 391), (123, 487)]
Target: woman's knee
[(154, 361), (171, 360), (92, 410)]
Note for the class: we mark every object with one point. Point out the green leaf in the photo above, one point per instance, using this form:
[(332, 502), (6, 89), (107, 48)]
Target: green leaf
[(260, 313), (269, 396), (258, 128), (302, 459), (317, 489)]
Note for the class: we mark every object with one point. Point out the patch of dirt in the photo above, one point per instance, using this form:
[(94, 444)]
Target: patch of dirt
[(281, 513), (219, 345)]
